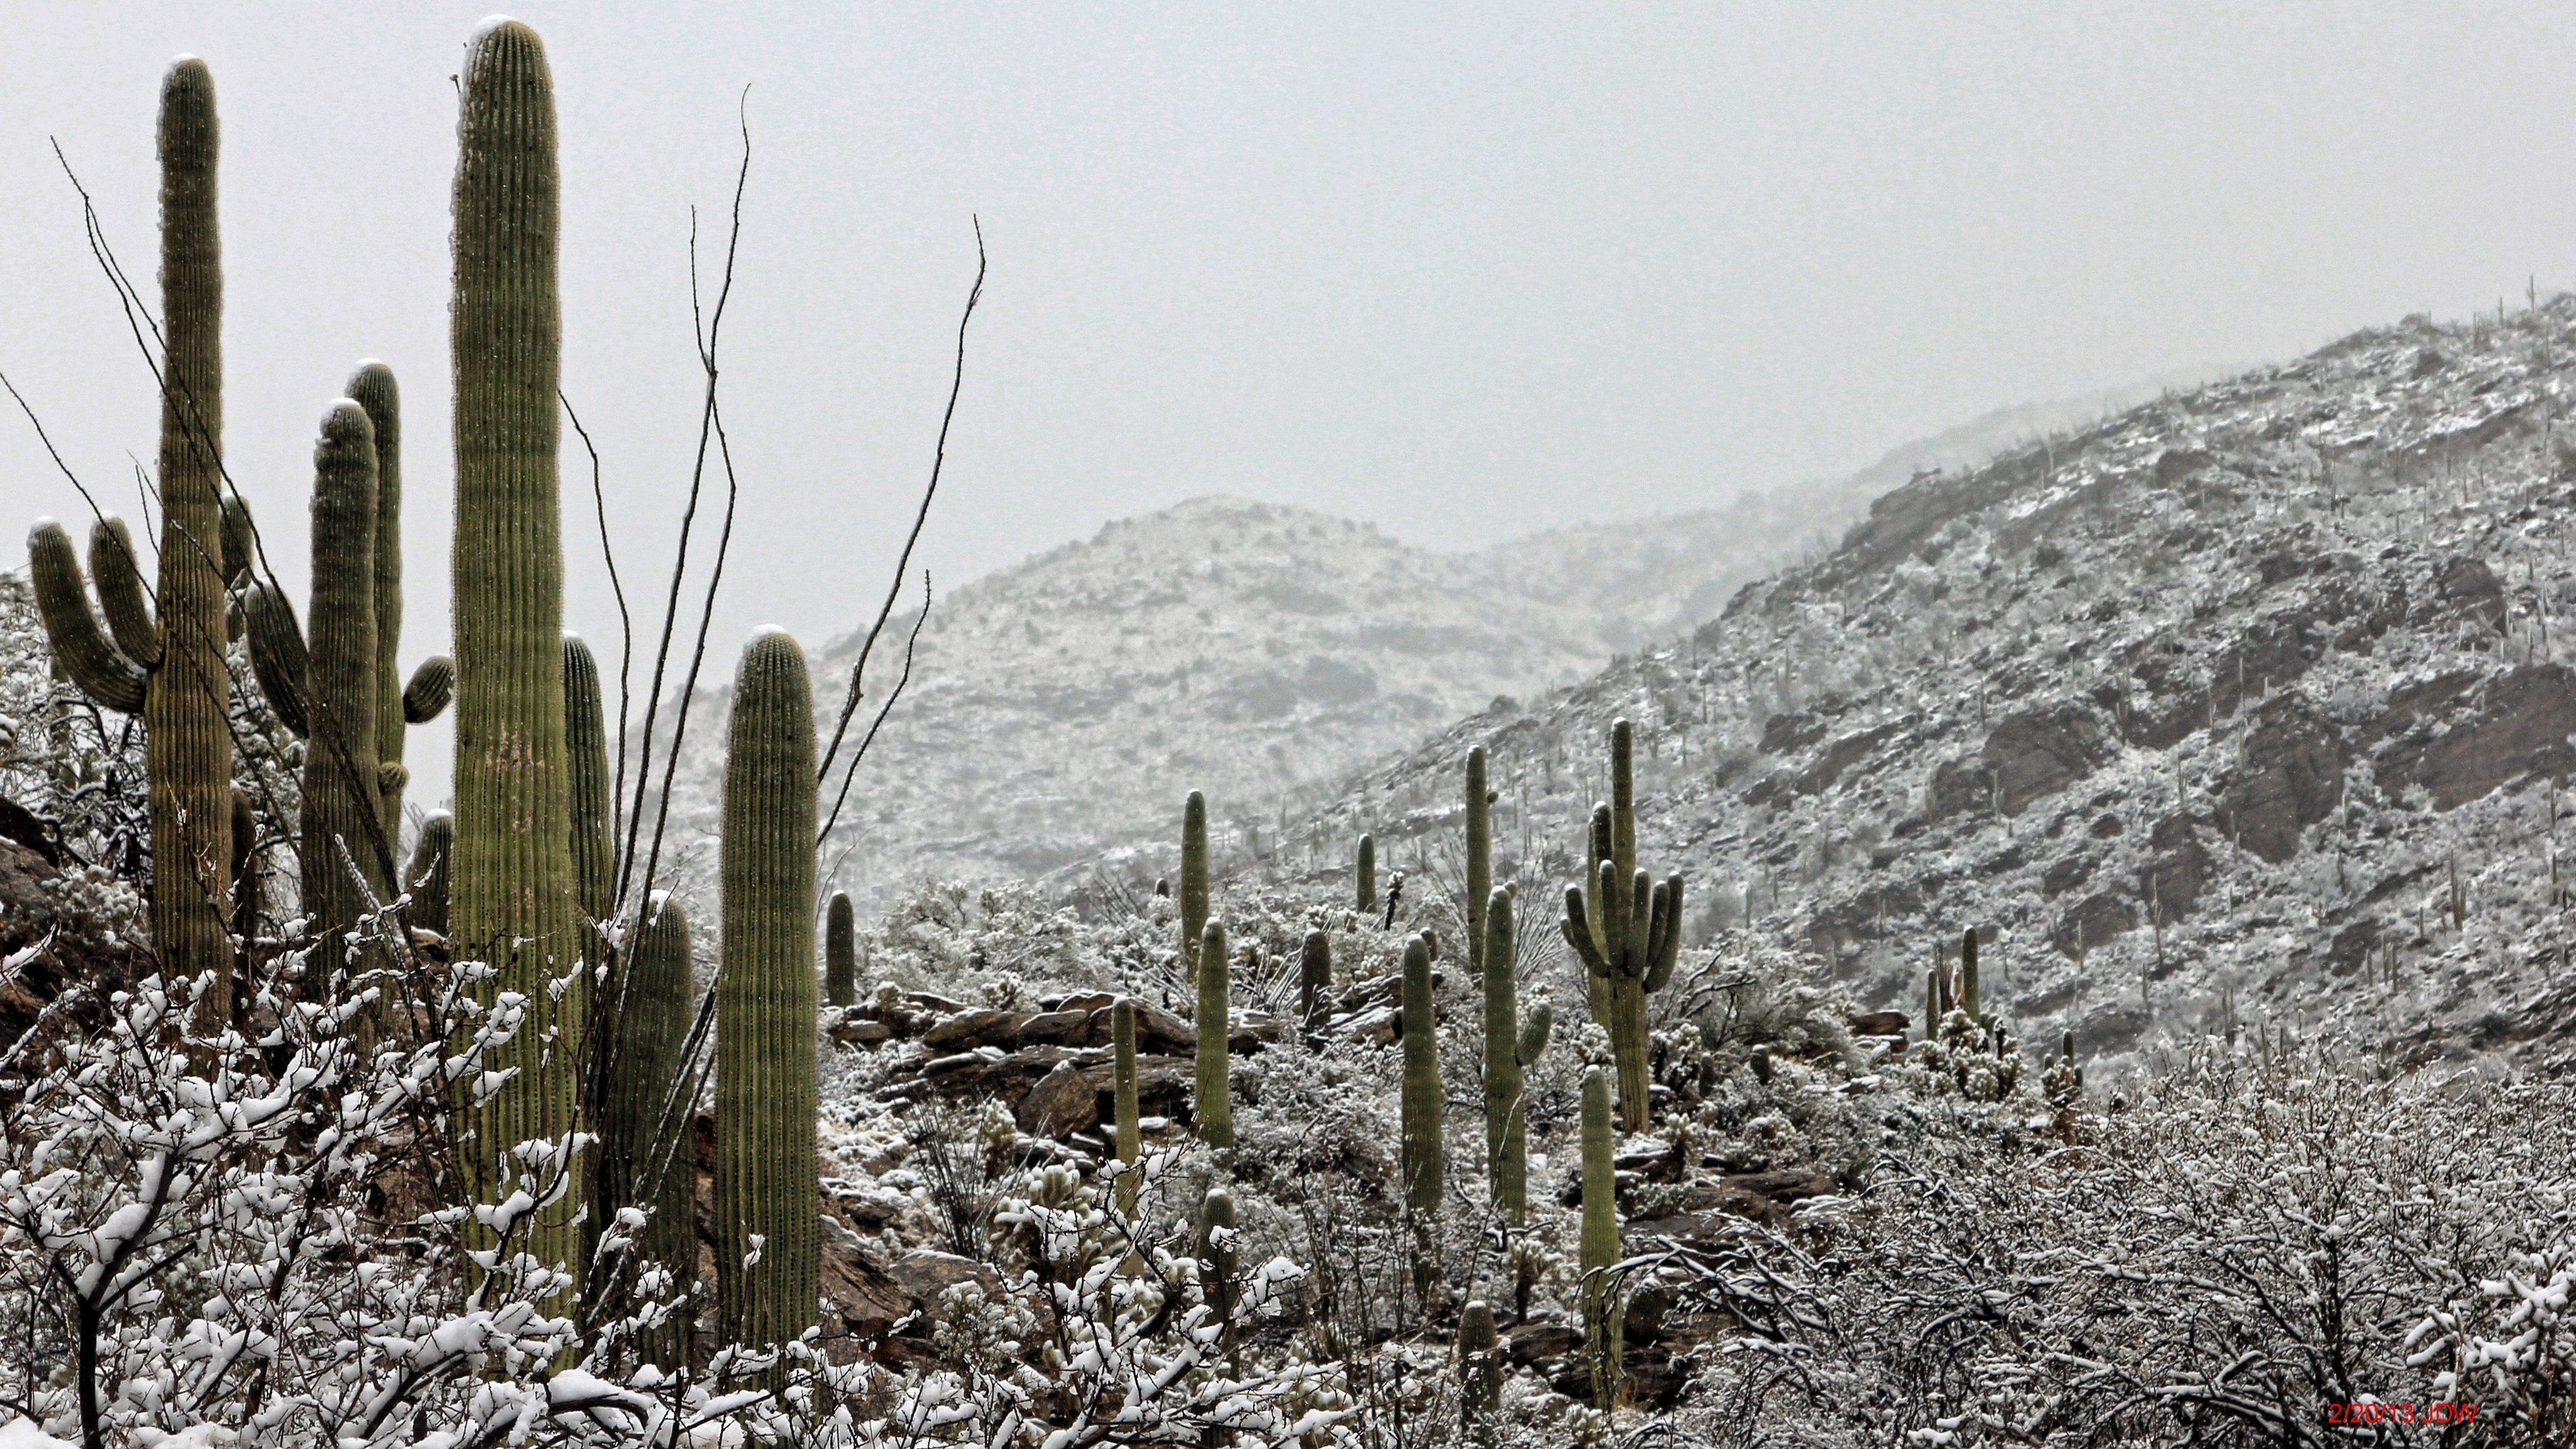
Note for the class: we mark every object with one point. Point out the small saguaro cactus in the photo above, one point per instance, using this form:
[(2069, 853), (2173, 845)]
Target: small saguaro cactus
[(1367, 875), (1480, 1367), (1314, 980), (594, 827), (1602, 1316), (1194, 882), (426, 874), (171, 667), (1480, 854), (840, 951), (766, 1180), (1626, 932), (1218, 1252), (1968, 976), (645, 1159), (1512, 1046), (1212, 1105), (1422, 1104), (1130, 1129), (342, 822)]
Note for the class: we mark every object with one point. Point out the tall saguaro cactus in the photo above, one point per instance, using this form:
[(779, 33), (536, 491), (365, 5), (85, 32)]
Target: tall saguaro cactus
[(1365, 873), (645, 1159), (514, 900), (1130, 1126), (372, 388), (1512, 1046), (1603, 1327), (840, 951), (342, 820), (1194, 882), (1968, 976), (165, 659), (1421, 1092), (767, 1177), (1626, 932), (1212, 1101), (1480, 854)]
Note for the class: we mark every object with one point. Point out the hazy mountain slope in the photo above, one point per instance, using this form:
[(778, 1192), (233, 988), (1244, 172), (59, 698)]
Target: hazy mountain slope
[(2247, 704), (1651, 578)]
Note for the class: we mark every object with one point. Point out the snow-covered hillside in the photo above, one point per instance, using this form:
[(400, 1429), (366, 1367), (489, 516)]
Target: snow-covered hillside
[(2251, 704)]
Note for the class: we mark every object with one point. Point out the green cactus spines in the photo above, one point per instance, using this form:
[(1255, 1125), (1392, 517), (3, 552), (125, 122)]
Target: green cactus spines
[(645, 1160), (1130, 1125), (514, 904), (1194, 882), (81, 644), (278, 658), (1212, 1106), (840, 951), (188, 743), (1626, 931), (1421, 1094), (1480, 1365), (426, 875), (1602, 1325), (594, 841), (1366, 873), (766, 1175), (341, 823), (372, 388), (1968, 975), (1480, 853), (432, 684), (1536, 1027), (1314, 981), (1506, 1115), (116, 570), (240, 541)]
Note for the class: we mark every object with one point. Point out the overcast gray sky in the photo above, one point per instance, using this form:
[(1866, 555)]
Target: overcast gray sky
[(1463, 271)]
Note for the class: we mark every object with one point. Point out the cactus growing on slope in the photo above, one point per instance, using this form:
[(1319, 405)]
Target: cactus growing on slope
[(767, 1180), (1194, 882), (644, 1155), (1626, 932), (1421, 1091), (1314, 979), (1212, 1105), (840, 951), (1511, 1048), (1480, 1369), (514, 904), (1602, 1319), (183, 689), (1365, 874), (1968, 1001), (1130, 1129), (1480, 855)]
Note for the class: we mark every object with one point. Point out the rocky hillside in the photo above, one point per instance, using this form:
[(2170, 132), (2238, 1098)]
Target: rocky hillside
[(2248, 705)]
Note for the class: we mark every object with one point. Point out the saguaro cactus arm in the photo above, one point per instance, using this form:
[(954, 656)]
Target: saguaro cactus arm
[(118, 571), (88, 655), (278, 657), (427, 694)]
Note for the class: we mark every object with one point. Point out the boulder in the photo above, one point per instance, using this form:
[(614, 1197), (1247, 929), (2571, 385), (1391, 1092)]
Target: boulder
[(980, 1027), (2289, 776), (2520, 726), (2097, 918), (925, 1275), (1059, 1028)]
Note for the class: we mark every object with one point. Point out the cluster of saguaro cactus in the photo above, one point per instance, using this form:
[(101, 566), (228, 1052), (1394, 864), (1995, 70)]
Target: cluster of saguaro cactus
[(766, 1176), (1603, 1317), (1512, 1046), (165, 659), (1194, 882), (840, 951), (514, 904), (1627, 933), (644, 1155), (1212, 1100)]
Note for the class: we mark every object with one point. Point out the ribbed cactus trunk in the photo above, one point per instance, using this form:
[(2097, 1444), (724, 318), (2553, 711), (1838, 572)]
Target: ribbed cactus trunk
[(1314, 982), (514, 888), (1506, 1115), (1480, 856), (341, 821), (645, 1159), (1212, 1101), (1480, 1370), (1194, 882), (1423, 1164), (427, 876), (372, 388), (188, 748), (1365, 875), (840, 951), (1602, 1325), (1627, 998), (1626, 930), (1968, 976), (1130, 1129), (767, 1173), (594, 827)]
